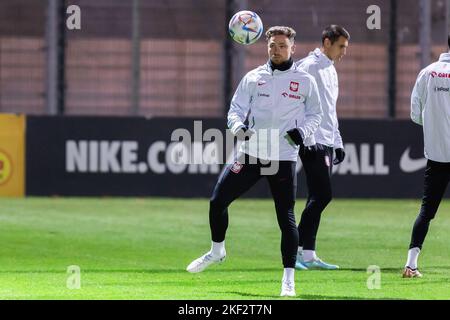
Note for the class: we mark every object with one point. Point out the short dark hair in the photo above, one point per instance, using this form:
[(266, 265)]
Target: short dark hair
[(281, 30), (333, 32)]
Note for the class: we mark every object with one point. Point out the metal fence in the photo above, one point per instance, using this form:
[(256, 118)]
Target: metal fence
[(169, 58)]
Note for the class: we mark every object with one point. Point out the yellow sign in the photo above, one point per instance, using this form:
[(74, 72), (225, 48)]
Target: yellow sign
[(12, 155), (5, 167)]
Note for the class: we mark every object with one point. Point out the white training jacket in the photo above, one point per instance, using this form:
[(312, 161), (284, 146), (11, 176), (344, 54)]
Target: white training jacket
[(322, 69), (430, 107), (278, 100)]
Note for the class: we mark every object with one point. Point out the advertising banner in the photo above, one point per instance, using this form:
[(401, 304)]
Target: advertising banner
[(97, 156)]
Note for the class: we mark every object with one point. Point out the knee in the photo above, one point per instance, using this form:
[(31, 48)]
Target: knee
[(326, 199), (427, 214), (286, 218), (323, 200), (285, 208)]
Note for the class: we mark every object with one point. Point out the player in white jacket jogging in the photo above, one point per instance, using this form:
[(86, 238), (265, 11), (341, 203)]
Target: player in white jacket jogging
[(274, 97), (318, 162), (430, 108)]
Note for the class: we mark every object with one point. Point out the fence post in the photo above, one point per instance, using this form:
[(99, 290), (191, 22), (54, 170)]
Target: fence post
[(425, 32), (234, 58), (55, 50), (392, 81), (136, 59)]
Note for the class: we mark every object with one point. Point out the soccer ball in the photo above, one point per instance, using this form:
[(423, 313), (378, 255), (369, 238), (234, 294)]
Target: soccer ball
[(245, 27)]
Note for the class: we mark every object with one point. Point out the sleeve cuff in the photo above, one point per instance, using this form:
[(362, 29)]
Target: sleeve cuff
[(235, 128), (310, 141)]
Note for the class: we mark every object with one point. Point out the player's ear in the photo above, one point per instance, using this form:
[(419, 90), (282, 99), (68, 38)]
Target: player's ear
[(293, 49), (327, 43)]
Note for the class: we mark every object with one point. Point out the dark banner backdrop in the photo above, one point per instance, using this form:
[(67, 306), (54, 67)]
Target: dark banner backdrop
[(112, 156)]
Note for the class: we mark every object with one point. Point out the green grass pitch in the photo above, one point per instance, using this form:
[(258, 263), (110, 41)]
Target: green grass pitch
[(139, 249)]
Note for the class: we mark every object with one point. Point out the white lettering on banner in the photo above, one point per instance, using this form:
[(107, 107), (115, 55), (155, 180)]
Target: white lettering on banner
[(152, 157), (93, 156), (380, 167), (177, 157), (108, 156), (129, 156), (122, 157), (350, 163), (366, 167), (184, 136), (208, 162), (212, 152), (364, 162), (299, 165), (196, 158), (76, 156)]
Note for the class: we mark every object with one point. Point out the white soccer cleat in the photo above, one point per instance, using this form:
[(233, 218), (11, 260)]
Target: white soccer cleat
[(287, 289), (409, 272), (200, 264)]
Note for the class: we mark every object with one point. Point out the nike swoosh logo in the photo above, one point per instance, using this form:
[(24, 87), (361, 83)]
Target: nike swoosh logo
[(261, 83), (411, 165)]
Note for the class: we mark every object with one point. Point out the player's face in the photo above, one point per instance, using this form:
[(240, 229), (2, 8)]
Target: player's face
[(280, 48), (337, 50)]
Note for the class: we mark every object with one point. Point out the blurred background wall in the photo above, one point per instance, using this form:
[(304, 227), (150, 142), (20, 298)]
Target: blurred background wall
[(174, 57)]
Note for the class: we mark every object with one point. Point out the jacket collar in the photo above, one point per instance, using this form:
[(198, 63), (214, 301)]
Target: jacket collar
[(444, 57), (276, 71), (321, 56), (284, 66)]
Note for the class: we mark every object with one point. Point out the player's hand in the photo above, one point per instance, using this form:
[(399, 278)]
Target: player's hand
[(340, 156), (244, 133), (294, 138)]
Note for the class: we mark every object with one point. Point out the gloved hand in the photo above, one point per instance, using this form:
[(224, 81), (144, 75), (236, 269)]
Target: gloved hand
[(340, 155), (294, 137), (244, 133)]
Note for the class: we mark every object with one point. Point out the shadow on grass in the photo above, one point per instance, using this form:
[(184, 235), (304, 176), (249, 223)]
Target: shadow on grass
[(303, 297), (217, 270), (387, 270), (212, 270), (325, 297), (249, 295)]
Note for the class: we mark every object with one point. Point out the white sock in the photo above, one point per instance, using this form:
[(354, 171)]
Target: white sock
[(288, 275), (300, 251), (218, 248), (309, 255), (413, 255)]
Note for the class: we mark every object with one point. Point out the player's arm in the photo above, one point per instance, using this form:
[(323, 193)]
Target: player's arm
[(338, 143), (338, 146), (418, 97), (303, 136), (239, 107), (312, 100), (313, 114)]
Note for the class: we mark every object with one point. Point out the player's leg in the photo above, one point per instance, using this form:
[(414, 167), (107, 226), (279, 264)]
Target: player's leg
[(234, 180), (318, 177), (283, 186), (437, 176)]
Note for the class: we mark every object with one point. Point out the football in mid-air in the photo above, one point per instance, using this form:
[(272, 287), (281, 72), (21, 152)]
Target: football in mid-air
[(245, 27)]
